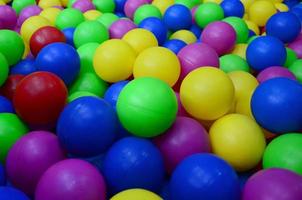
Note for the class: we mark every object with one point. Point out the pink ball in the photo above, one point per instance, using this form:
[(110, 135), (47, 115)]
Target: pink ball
[(196, 55), (181, 110), (274, 72), (71, 179), (219, 35), (83, 5), (120, 27), (30, 157), (131, 6), (184, 138), (8, 17), (28, 12), (297, 46)]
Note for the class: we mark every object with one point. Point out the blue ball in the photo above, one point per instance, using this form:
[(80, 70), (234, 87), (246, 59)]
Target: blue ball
[(113, 92), (264, 52), (119, 5), (24, 67), (175, 45), (69, 32), (277, 104), (6, 105), (291, 3), (87, 126), (133, 163), (297, 10), (2, 175), (196, 30), (204, 176), (9, 193), (60, 59), (178, 17), (251, 33), (232, 8), (157, 27)]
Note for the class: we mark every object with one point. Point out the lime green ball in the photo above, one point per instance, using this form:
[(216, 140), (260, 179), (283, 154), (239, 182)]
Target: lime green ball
[(90, 31), (291, 57), (285, 152), (252, 38), (89, 82), (11, 129), (79, 94), (86, 53), (296, 68), (241, 28), (68, 18), (70, 3), (105, 6), (107, 19), (11, 46), (232, 62), (207, 13), (146, 11), (4, 68), (188, 3), (19, 5), (147, 107)]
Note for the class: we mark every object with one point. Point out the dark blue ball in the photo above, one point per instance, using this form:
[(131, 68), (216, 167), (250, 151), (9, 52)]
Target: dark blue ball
[(69, 32), (297, 10), (291, 3), (119, 5), (232, 8), (133, 163), (60, 59), (24, 67), (277, 105), (264, 52), (87, 126), (2, 175), (157, 27), (9, 193), (6, 105), (196, 30), (113, 92), (251, 33), (175, 45), (204, 176), (178, 17)]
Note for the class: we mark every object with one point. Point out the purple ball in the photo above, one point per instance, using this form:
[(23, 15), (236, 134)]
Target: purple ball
[(69, 180), (219, 35), (83, 5), (196, 55), (8, 17), (297, 46), (185, 138), (30, 157), (120, 27), (131, 6), (275, 72), (28, 12), (273, 183)]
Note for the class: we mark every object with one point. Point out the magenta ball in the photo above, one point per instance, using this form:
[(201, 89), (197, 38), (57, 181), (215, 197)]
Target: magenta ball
[(8, 17), (273, 183), (275, 72), (69, 180), (28, 12), (219, 35), (186, 137), (196, 55), (83, 5), (131, 6), (30, 157), (120, 27), (181, 110), (297, 46)]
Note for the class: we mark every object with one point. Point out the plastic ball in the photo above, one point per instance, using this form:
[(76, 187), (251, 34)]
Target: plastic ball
[(6, 106), (252, 27), (274, 184), (207, 13), (60, 59), (120, 27), (232, 8), (47, 151), (196, 30), (297, 47), (19, 5), (187, 36), (86, 53), (8, 17), (239, 25), (114, 56), (212, 175), (113, 92), (79, 94), (157, 62), (68, 18), (105, 6), (12, 193), (49, 3), (281, 7), (136, 194), (264, 52), (275, 96), (83, 5), (261, 11), (162, 5), (4, 69), (240, 50), (132, 5), (291, 57), (145, 11), (9, 87), (24, 67), (296, 69), (107, 19), (70, 3), (69, 32), (175, 45), (119, 5), (274, 72), (51, 14), (157, 27), (177, 17), (28, 12), (137, 164), (188, 3), (92, 15), (232, 62), (87, 181)]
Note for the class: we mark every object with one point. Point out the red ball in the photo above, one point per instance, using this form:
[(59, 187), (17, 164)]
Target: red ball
[(44, 36), (8, 89), (39, 99)]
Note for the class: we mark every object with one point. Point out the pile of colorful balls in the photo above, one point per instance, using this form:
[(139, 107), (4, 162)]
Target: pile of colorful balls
[(150, 99)]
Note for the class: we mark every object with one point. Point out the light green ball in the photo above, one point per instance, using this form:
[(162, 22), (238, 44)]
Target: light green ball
[(232, 62), (105, 6), (241, 28), (207, 13), (107, 19), (69, 18), (291, 57), (19, 5), (79, 94), (86, 53), (296, 69), (4, 68), (145, 11), (188, 3)]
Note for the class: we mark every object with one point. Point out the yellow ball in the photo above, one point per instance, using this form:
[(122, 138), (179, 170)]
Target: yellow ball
[(246, 16), (243, 106), (163, 5), (261, 11), (157, 62), (49, 3), (207, 93), (281, 7), (247, 4), (140, 39), (26, 50), (92, 14), (239, 140), (31, 25), (213, 1), (240, 50), (252, 26), (113, 60), (51, 14), (64, 3), (2, 2), (136, 194), (184, 35)]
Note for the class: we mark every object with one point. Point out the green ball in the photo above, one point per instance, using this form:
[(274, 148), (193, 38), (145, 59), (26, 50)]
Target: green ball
[(19, 5), (79, 94), (291, 57), (252, 39), (90, 31), (107, 19), (147, 107), (242, 30), (11, 129), (11, 46), (4, 68), (89, 82), (285, 152), (146, 11), (69, 18), (232, 62), (105, 6), (70, 3), (86, 53), (188, 3), (296, 69), (207, 13)]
